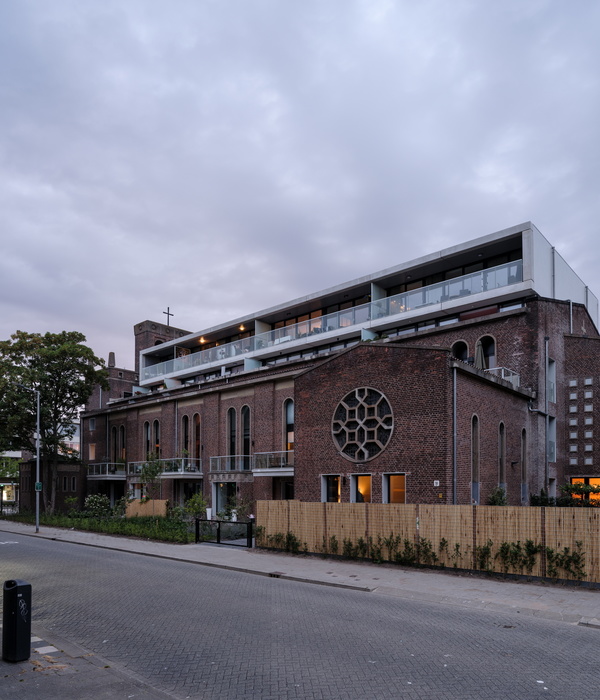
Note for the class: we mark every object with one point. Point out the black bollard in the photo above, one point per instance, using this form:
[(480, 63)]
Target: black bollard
[(16, 621)]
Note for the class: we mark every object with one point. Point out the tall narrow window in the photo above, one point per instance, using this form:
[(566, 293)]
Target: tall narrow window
[(231, 436), (113, 444), (524, 489), (185, 436), (156, 439), (502, 457), (288, 417), (197, 446), (147, 440), (122, 444), (475, 460), (246, 445)]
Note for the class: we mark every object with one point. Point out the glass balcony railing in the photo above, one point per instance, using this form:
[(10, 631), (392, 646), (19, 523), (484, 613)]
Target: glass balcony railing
[(274, 460), (176, 465), (109, 469), (475, 283), (231, 463)]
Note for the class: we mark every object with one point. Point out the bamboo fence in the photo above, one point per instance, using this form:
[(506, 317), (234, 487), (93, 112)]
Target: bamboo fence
[(501, 539)]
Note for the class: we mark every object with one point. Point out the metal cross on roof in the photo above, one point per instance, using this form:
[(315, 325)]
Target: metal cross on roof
[(168, 314)]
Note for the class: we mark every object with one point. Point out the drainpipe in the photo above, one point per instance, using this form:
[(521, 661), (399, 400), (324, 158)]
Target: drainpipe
[(547, 419), (454, 435)]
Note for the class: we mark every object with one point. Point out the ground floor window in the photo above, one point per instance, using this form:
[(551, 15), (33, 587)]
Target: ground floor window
[(360, 488), (283, 489), (588, 481), (224, 496), (394, 488), (330, 488)]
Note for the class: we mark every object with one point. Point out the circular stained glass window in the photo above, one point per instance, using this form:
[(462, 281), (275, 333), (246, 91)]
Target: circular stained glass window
[(362, 424)]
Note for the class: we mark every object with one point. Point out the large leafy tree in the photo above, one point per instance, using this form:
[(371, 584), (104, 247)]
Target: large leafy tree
[(64, 371)]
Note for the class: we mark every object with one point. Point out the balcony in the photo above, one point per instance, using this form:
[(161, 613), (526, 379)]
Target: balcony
[(508, 375), (274, 463), (182, 466), (273, 460), (107, 470), (232, 463), (371, 314)]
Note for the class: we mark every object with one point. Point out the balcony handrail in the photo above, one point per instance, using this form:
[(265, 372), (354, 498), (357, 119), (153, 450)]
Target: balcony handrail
[(228, 463), (507, 374), (173, 465), (465, 285), (273, 460), (107, 469)]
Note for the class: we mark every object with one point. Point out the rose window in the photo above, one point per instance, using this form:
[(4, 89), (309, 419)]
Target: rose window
[(362, 424)]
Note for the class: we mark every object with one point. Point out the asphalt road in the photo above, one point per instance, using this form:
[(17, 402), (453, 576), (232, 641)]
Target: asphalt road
[(209, 633)]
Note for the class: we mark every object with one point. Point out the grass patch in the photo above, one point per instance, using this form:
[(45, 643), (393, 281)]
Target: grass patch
[(148, 528)]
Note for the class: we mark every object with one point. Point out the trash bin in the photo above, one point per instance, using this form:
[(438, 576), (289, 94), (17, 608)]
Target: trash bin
[(16, 621)]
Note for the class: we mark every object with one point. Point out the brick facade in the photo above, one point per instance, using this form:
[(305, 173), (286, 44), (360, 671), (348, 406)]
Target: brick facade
[(433, 396)]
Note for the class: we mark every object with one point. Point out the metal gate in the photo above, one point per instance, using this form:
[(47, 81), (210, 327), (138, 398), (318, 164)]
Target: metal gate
[(226, 532)]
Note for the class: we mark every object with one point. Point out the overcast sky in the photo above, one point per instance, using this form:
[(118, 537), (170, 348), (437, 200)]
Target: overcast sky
[(222, 156)]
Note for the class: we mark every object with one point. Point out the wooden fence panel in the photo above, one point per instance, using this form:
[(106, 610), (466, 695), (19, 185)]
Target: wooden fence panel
[(346, 521), (308, 524), (509, 525), (565, 527), (154, 507), (450, 531)]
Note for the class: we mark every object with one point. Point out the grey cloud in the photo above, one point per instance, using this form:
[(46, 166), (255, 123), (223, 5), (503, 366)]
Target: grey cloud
[(223, 157)]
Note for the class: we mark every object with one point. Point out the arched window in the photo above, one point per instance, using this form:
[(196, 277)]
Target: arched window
[(475, 460), (185, 436), (197, 446), (122, 444), (502, 457), (460, 350), (231, 432), (288, 425), (246, 443), (156, 439), (147, 440), (489, 351), (114, 445)]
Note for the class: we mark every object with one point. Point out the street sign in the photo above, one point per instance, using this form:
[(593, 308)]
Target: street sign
[(38, 485)]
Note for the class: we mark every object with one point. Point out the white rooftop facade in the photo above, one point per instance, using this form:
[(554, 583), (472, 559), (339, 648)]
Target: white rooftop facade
[(498, 269)]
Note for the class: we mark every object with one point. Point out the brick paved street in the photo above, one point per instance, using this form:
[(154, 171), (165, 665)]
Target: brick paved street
[(201, 632)]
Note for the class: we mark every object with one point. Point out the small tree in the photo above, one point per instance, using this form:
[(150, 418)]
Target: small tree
[(196, 506), (497, 497), (150, 476)]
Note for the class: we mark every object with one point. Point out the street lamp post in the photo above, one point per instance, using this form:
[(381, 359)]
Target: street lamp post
[(37, 455)]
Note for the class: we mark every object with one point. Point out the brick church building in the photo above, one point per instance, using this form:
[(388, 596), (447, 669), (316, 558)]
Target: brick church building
[(435, 381)]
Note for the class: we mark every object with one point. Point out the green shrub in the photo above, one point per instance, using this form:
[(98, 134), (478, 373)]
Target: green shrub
[(97, 506)]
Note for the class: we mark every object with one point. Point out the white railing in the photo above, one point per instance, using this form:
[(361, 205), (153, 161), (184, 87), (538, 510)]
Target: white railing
[(107, 469), (507, 374), (475, 283), (176, 465), (273, 460), (231, 463)]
